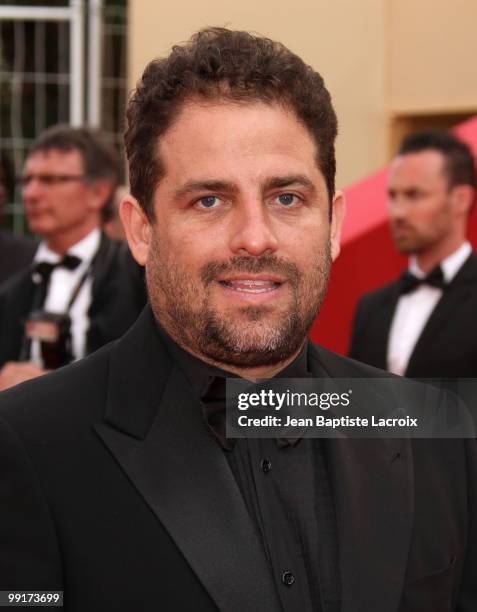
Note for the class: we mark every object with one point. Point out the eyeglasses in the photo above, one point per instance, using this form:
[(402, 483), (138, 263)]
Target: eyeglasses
[(48, 180)]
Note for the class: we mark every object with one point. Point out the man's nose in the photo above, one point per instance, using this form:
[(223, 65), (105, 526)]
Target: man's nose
[(253, 232), (397, 208), (31, 189)]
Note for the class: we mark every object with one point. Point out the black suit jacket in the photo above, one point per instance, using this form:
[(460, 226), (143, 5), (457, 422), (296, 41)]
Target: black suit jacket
[(118, 296), (447, 346), (16, 253), (114, 490)]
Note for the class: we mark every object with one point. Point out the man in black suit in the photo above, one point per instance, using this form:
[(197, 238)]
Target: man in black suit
[(16, 252), (80, 280), (423, 324), (119, 485)]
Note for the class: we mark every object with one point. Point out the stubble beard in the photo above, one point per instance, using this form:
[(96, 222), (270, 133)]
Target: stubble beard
[(416, 245), (412, 243), (246, 337)]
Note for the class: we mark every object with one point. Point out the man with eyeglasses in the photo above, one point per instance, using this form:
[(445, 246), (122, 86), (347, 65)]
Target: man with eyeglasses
[(82, 289)]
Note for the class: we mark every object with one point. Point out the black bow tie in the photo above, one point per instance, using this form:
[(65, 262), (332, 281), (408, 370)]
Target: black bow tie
[(214, 412), (435, 278), (45, 268), (41, 274)]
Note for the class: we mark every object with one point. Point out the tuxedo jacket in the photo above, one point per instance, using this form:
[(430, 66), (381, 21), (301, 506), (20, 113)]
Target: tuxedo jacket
[(118, 296), (114, 491), (447, 346), (16, 253)]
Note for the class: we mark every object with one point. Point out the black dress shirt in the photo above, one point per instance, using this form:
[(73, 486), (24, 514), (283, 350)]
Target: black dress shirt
[(285, 488)]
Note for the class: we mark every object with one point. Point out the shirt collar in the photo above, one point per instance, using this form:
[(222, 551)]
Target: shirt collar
[(209, 383), (85, 249), (201, 374), (450, 265)]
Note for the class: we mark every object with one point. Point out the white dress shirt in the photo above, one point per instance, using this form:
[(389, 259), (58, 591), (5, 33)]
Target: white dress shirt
[(62, 284), (414, 309)]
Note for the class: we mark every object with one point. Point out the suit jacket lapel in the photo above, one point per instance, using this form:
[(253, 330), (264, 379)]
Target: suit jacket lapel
[(156, 432), (381, 327), (104, 293), (459, 290), (101, 266), (372, 485)]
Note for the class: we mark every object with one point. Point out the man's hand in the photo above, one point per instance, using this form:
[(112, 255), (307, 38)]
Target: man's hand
[(15, 372)]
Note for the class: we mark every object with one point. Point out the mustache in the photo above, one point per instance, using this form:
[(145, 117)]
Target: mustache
[(401, 224), (252, 265)]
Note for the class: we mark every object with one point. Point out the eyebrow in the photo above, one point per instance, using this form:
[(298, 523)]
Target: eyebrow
[(275, 182), (406, 190), (205, 185), (278, 182)]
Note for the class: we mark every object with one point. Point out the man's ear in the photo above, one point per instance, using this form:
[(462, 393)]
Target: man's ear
[(137, 228), (463, 197), (339, 210), (99, 192)]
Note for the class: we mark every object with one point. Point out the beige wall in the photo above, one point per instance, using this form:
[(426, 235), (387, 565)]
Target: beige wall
[(433, 56), (342, 39)]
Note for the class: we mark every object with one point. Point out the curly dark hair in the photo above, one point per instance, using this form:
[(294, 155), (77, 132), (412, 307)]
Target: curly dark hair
[(218, 63)]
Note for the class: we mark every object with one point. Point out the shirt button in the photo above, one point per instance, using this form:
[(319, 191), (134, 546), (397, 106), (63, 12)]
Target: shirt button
[(266, 466), (288, 578)]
